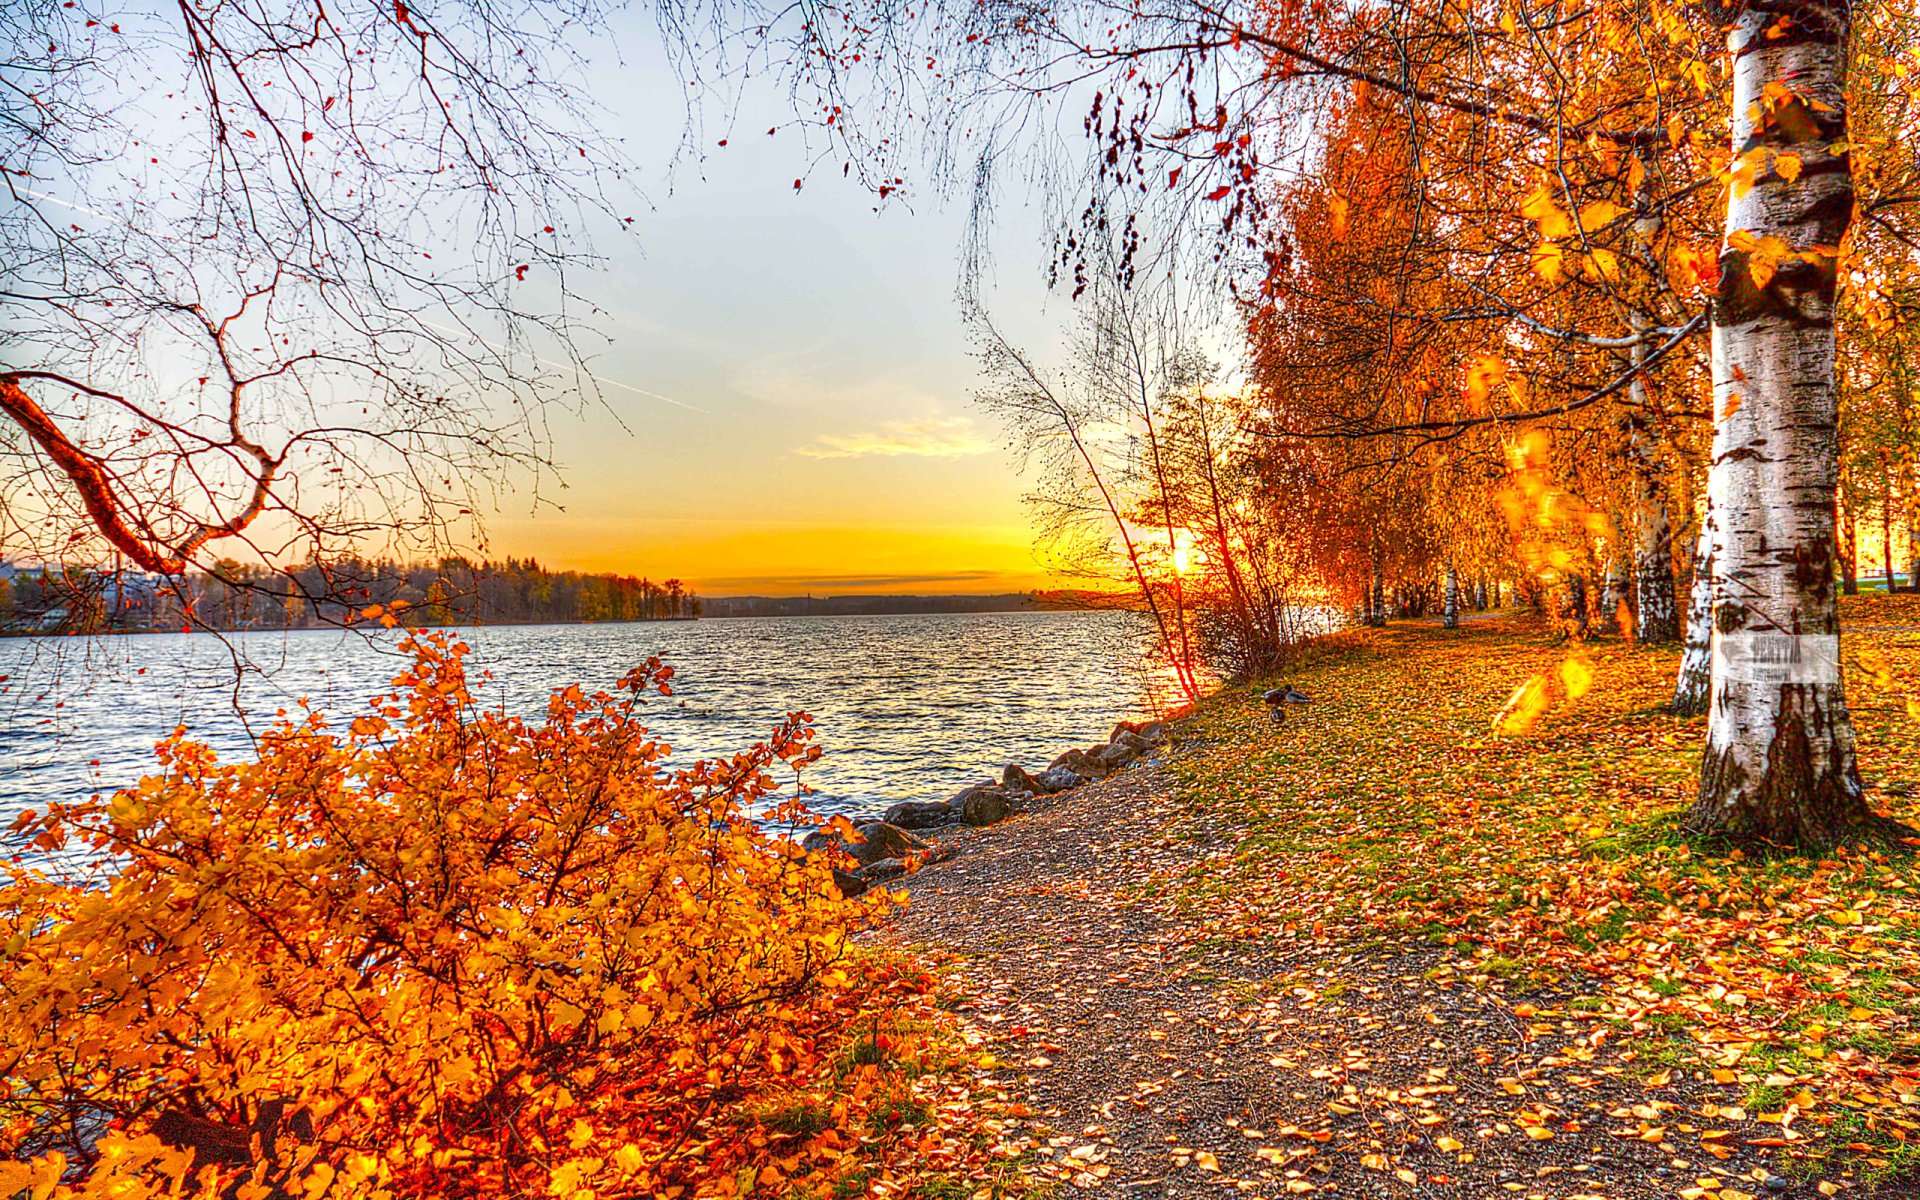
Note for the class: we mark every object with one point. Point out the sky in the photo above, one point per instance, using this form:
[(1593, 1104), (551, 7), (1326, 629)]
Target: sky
[(809, 427)]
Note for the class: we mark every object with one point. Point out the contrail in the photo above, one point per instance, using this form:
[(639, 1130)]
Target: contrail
[(551, 362)]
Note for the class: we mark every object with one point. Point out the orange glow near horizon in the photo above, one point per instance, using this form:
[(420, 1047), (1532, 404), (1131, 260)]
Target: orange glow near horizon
[(786, 558)]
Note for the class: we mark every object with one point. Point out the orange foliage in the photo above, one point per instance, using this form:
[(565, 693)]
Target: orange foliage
[(446, 953)]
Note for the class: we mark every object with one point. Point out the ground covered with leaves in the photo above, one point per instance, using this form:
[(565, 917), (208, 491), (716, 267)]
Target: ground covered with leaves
[(1384, 950)]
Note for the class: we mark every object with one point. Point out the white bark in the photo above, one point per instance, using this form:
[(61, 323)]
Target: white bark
[(1612, 596), (1779, 762), (1450, 612), (1693, 688), (1656, 616)]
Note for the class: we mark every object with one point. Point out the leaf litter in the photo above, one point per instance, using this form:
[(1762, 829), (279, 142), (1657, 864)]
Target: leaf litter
[(1390, 950)]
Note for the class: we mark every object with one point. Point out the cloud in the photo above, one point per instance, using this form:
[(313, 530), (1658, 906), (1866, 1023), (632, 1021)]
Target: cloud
[(935, 437)]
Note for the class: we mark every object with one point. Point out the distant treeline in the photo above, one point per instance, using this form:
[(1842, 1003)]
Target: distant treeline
[(846, 606), (234, 595)]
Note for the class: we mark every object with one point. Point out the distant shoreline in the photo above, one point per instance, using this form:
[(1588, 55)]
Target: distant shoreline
[(54, 634)]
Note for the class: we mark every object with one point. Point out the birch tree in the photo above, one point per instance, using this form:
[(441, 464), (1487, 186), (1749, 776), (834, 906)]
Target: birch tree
[(1779, 760)]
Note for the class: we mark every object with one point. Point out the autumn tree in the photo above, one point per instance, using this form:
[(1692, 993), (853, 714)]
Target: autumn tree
[(1603, 130), (284, 276)]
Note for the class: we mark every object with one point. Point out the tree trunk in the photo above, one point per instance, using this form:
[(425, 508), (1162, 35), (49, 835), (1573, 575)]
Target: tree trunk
[(1656, 615), (1576, 613), (1693, 688), (1377, 615), (1886, 521), (1779, 763), (1913, 521), (1450, 611), (1849, 555), (1613, 597)]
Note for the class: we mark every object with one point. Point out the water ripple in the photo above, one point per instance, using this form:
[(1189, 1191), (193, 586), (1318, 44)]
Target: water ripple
[(908, 707)]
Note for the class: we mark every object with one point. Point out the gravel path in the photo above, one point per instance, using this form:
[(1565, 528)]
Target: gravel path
[(1164, 1061)]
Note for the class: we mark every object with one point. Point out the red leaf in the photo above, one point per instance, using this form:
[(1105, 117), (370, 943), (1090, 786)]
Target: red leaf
[(1220, 193)]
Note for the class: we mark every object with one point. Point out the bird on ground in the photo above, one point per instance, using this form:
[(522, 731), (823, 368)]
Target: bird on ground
[(1278, 698)]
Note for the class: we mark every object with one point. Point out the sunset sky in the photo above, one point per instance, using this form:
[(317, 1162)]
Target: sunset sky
[(809, 426)]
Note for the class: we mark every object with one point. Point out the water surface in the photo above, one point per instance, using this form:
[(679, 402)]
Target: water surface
[(908, 707)]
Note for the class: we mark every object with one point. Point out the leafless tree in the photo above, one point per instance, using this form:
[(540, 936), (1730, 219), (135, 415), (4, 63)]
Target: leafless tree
[(285, 273)]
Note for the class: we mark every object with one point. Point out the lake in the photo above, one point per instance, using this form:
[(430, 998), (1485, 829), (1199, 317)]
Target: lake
[(907, 707)]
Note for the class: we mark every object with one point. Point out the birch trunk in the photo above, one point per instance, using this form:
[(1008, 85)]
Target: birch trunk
[(1913, 521), (1779, 763), (1849, 555), (1693, 689), (1656, 614), (1576, 612), (1377, 596), (1613, 597), (1886, 521), (1450, 611)]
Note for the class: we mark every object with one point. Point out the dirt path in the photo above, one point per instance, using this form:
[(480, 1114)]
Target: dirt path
[(1163, 1061)]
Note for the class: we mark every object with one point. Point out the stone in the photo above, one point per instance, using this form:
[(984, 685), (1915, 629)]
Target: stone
[(1058, 779), (822, 839), (1016, 777), (920, 814), (1082, 763), (881, 840), (960, 797), (875, 840), (1133, 741), (850, 885), (880, 872), (1152, 733), (986, 806), (1113, 755)]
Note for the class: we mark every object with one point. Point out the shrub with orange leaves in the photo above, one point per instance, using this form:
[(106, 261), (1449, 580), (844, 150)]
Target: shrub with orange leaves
[(447, 952)]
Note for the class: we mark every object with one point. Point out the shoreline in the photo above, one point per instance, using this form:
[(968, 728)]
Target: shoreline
[(1284, 958)]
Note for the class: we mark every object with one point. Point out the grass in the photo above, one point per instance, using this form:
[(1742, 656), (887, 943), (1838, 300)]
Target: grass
[(1390, 807)]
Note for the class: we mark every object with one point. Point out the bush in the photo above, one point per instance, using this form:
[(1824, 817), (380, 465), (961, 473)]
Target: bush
[(446, 953)]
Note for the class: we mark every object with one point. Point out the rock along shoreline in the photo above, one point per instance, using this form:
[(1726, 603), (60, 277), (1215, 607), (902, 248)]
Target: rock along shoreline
[(873, 849)]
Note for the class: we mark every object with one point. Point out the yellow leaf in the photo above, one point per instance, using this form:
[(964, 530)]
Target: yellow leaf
[(1552, 219), (1449, 1144), (1788, 166), (1599, 215), (1576, 677), (1549, 261), (1206, 1160), (1539, 1133), (1481, 377)]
